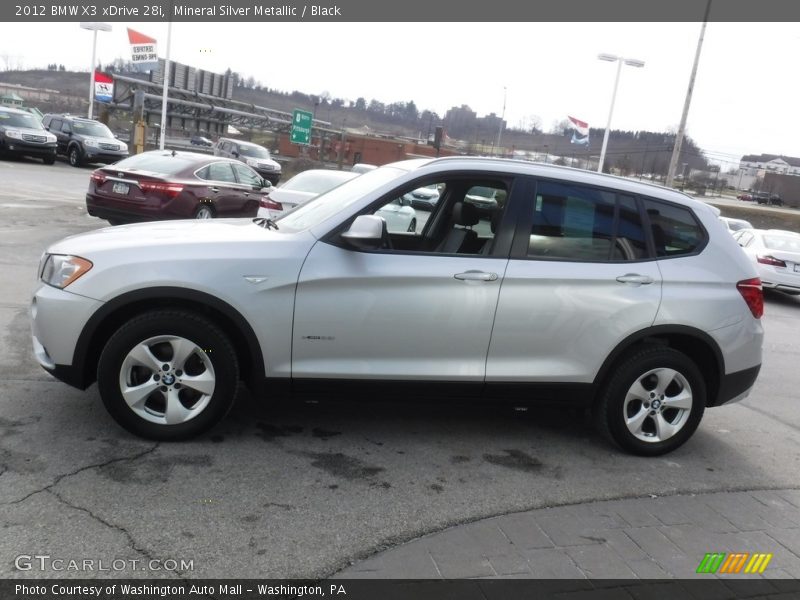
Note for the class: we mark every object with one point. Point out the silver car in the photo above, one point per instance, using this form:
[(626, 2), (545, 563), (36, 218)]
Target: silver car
[(776, 256), (626, 298)]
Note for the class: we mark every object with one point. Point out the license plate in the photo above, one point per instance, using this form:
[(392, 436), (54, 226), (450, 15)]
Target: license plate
[(120, 188)]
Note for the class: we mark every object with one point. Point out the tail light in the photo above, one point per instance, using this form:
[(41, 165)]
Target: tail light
[(770, 260), (267, 202), (170, 190), (751, 291), (98, 177)]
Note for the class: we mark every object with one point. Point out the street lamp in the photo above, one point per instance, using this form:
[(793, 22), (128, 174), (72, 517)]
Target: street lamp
[(95, 27), (631, 62)]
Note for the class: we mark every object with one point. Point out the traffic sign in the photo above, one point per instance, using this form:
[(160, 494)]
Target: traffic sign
[(301, 127)]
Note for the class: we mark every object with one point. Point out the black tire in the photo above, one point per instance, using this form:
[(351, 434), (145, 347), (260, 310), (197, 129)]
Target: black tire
[(412, 227), (75, 156), (204, 211), (49, 160), (611, 408), (212, 358)]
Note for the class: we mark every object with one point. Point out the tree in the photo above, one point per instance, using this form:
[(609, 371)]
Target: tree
[(361, 104)]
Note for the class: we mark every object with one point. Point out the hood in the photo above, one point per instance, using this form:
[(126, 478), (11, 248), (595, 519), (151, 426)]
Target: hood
[(261, 163), (166, 235)]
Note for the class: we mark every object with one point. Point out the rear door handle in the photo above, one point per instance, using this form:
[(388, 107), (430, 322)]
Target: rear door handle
[(476, 276), (214, 189), (635, 279)]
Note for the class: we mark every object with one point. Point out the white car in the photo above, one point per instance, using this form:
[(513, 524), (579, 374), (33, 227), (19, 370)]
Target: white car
[(625, 298), (776, 255), (300, 189), (735, 225), (309, 184)]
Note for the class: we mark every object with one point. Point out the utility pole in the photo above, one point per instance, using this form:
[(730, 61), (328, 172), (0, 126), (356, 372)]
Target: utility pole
[(676, 151)]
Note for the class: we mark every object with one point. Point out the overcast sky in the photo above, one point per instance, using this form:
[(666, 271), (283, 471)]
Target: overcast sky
[(745, 98)]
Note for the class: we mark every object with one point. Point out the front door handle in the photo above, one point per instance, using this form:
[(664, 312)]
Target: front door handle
[(214, 189), (635, 279), (476, 276)]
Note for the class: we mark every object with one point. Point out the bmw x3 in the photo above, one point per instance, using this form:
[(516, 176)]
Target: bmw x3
[(629, 299)]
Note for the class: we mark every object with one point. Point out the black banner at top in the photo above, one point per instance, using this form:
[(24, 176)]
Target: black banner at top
[(494, 11)]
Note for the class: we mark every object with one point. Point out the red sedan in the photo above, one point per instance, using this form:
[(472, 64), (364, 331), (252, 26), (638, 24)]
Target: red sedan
[(165, 184)]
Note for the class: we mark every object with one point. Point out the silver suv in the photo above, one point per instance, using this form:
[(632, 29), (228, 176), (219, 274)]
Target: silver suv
[(629, 299), (253, 155)]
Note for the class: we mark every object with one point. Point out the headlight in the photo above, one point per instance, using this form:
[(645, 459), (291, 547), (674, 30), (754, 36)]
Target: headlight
[(14, 134), (60, 270), (51, 138), (91, 143), (252, 163)]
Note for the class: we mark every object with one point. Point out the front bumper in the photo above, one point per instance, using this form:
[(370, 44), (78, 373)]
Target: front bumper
[(23, 148), (57, 319), (98, 155)]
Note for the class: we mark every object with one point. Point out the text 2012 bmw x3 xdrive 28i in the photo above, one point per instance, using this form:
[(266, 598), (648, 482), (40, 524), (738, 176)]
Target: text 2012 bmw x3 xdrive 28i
[(572, 286)]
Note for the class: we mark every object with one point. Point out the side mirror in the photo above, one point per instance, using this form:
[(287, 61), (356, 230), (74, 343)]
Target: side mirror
[(366, 233), (266, 185), (235, 154)]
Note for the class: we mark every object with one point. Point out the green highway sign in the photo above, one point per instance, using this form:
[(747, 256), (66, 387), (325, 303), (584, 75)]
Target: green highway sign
[(301, 127)]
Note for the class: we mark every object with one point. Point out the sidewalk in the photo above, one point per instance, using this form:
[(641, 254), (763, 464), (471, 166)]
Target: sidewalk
[(646, 538)]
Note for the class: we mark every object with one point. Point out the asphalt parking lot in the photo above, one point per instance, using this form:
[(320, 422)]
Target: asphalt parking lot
[(306, 491)]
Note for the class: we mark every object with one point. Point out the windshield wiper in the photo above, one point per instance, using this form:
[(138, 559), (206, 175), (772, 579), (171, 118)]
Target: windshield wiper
[(266, 223)]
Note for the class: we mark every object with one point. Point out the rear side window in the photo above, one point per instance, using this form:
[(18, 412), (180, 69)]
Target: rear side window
[(675, 229), (585, 224)]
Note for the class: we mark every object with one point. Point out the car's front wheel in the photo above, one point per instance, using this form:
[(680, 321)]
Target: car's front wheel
[(653, 401), (168, 375)]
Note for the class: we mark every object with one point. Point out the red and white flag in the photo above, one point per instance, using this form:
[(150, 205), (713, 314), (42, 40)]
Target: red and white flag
[(580, 131), (144, 51)]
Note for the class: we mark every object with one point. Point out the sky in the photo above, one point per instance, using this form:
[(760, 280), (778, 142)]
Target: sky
[(744, 100)]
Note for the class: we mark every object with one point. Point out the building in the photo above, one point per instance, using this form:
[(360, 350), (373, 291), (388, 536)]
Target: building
[(751, 164)]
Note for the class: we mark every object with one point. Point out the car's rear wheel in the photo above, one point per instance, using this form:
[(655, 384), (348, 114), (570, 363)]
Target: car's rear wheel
[(168, 375), (75, 157), (652, 402), (204, 211)]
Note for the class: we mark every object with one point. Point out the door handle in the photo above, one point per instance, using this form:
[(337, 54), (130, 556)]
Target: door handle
[(635, 279), (214, 189), (476, 276)]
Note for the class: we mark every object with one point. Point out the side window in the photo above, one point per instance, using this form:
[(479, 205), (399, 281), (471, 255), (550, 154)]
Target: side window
[(745, 239), (66, 127), (219, 171), (456, 216), (585, 224), (55, 125), (675, 230), (247, 176)]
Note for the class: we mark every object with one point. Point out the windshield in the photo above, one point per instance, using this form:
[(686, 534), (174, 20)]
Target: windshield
[(91, 128), (317, 182), (339, 198), (253, 151), (19, 120), (156, 163), (782, 242)]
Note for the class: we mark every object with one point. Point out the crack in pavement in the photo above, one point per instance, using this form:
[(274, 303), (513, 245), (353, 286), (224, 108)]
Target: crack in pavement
[(60, 478), (128, 536)]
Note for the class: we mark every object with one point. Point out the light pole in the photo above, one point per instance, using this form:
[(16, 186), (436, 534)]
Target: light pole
[(502, 118), (631, 62), (95, 27)]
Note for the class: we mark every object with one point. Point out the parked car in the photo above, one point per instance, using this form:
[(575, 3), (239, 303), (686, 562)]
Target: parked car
[(300, 189), (165, 184), (84, 140), (766, 198), (22, 134), (309, 184), (585, 289), (252, 155), (776, 256), (734, 225), (746, 197), (199, 140), (424, 198)]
